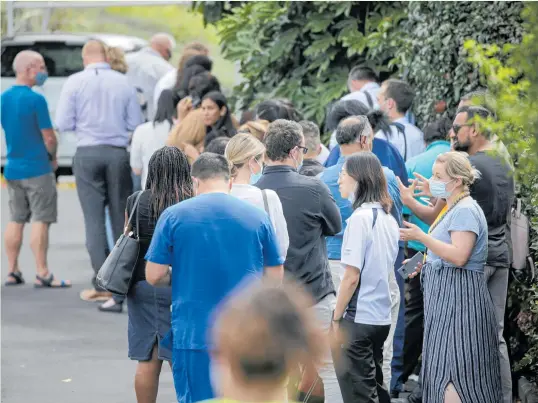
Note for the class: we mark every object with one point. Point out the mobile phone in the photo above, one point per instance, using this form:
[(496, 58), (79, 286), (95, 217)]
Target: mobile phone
[(409, 267)]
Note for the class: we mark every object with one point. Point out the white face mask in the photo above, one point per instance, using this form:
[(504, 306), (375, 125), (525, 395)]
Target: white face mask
[(353, 194)]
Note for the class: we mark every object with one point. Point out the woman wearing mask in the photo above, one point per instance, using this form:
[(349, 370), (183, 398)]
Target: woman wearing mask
[(460, 354), (245, 154), (217, 117), (168, 182), (363, 306), (275, 317)]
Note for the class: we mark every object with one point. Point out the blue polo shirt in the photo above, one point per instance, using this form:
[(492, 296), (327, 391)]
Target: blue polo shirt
[(423, 164), (24, 114), (213, 242), (330, 178)]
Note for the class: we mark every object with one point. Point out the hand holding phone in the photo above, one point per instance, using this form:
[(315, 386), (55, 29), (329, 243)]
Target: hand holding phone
[(411, 267)]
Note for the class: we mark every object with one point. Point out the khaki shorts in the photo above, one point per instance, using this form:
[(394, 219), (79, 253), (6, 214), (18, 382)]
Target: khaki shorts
[(33, 199)]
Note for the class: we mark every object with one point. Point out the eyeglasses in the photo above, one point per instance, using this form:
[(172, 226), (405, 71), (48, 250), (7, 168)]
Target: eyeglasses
[(457, 128), (305, 149)]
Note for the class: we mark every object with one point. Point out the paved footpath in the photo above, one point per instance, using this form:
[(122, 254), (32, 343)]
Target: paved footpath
[(55, 347)]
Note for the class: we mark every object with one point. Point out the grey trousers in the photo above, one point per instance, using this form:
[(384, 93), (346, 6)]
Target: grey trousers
[(497, 280), (103, 177)]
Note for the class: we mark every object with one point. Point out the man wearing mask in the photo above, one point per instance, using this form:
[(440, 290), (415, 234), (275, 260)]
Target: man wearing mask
[(395, 99), (31, 159), (494, 193), (311, 214), (148, 66), (101, 107)]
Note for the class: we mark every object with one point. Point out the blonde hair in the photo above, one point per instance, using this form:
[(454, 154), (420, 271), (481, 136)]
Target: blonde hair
[(257, 128), (241, 148), (115, 56), (458, 166), (190, 130), (276, 317)]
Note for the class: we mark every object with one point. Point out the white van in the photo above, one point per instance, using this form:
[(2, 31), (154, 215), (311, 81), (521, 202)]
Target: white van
[(63, 56)]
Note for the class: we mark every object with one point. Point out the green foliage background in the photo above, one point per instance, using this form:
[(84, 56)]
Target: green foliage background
[(303, 51)]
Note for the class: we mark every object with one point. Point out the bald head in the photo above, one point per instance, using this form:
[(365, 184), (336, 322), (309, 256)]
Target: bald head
[(25, 60), (355, 134), (163, 44), (94, 52)]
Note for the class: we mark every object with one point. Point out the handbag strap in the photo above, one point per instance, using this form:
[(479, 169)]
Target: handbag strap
[(265, 202), (135, 208)]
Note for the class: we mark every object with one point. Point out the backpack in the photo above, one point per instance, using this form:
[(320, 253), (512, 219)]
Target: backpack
[(519, 235), (401, 129)]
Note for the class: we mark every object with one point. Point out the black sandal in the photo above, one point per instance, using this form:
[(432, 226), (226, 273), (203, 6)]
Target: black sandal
[(47, 282), (15, 275)]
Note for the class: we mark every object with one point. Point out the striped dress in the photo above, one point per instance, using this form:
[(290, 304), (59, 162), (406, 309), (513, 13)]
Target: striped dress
[(461, 344)]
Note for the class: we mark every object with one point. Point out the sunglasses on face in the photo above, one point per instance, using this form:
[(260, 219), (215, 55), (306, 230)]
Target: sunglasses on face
[(457, 128)]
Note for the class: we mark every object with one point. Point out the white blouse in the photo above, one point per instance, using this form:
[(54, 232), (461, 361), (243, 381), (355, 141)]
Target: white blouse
[(253, 195)]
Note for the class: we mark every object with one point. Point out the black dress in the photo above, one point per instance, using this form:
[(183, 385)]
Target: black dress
[(148, 306)]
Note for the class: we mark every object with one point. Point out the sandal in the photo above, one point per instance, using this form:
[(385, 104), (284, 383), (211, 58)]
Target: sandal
[(48, 282), (15, 275)]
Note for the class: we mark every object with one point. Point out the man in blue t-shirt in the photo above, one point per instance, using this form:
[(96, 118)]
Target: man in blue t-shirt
[(208, 245), (353, 135), (31, 157)]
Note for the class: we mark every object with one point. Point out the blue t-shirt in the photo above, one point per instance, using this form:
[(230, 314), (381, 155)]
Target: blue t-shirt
[(423, 164), (213, 242), (24, 114), (465, 216), (330, 178)]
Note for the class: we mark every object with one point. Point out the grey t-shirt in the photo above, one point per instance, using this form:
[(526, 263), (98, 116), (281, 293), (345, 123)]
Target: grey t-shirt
[(465, 216)]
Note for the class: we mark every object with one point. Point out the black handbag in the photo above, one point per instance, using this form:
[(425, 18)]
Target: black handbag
[(116, 273)]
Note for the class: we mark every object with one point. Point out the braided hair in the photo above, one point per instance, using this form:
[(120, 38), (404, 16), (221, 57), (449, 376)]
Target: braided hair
[(169, 179)]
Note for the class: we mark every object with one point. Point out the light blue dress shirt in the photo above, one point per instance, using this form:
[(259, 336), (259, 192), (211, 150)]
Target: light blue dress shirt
[(330, 178), (100, 106)]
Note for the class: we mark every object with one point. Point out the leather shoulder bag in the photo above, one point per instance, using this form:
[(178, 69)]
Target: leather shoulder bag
[(117, 271)]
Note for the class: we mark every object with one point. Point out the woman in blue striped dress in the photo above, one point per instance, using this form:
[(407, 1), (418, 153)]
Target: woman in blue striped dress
[(460, 356)]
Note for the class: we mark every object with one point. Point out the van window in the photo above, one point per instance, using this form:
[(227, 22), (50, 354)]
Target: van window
[(61, 59)]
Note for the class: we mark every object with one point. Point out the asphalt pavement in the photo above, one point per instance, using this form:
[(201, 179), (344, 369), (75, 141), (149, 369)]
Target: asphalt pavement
[(55, 347)]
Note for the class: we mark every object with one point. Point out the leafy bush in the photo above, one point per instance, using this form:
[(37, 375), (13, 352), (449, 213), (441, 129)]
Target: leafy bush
[(302, 51), (432, 52)]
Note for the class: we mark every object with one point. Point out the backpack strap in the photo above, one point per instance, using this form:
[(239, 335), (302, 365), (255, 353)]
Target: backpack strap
[(401, 129), (369, 99)]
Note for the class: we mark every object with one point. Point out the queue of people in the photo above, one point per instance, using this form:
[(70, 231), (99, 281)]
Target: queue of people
[(285, 253)]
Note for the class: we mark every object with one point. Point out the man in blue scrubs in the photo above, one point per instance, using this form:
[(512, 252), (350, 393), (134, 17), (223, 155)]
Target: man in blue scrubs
[(212, 242)]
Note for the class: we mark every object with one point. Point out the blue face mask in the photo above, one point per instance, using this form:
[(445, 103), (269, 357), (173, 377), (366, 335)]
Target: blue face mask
[(40, 78), (254, 178), (438, 189)]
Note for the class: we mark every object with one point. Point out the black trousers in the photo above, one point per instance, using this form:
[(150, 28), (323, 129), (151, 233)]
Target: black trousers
[(360, 361), (103, 177), (414, 330)]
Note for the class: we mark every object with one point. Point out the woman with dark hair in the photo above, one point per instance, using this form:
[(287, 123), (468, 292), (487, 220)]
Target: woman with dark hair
[(168, 182), (150, 136), (389, 155), (363, 306), (217, 117)]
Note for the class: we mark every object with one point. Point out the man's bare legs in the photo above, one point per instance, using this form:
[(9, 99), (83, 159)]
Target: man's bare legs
[(13, 243), (147, 379), (39, 243)]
